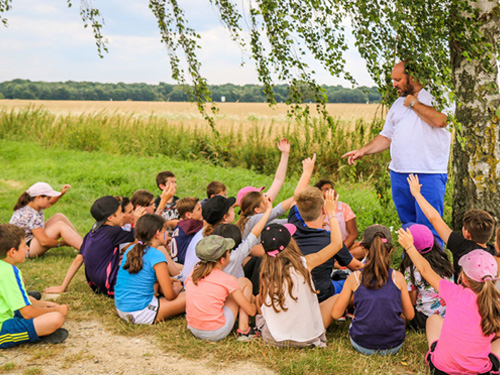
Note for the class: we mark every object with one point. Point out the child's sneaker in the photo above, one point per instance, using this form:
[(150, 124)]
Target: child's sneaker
[(250, 334), (56, 337)]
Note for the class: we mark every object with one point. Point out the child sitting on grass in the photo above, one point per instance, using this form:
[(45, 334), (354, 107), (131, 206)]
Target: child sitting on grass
[(380, 298), (191, 222), (424, 298), (21, 318), (213, 298), (40, 235), (347, 222), (215, 188), (142, 269), (242, 248), (478, 227), (465, 341), (308, 215), (291, 313), (169, 208), (101, 248)]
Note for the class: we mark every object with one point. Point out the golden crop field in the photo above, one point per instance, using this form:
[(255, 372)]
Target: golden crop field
[(229, 115)]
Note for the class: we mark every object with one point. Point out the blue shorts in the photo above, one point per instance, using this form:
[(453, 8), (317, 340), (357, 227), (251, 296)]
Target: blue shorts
[(382, 352), (17, 331), (338, 285)]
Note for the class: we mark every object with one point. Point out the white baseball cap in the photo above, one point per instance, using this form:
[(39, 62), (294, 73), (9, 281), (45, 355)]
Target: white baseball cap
[(42, 188)]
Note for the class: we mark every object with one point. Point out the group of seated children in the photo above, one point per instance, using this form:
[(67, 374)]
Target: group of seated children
[(161, 258)]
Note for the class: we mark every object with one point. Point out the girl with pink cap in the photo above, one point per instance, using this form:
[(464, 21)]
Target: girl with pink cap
[(40, 235), (462, 342), (424, 298)]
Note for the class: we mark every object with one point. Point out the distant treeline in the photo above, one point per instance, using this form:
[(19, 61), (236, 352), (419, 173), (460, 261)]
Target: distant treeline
[(70, 90)]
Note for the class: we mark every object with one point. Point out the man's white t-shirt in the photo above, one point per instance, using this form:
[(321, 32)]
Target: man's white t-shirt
[(416, 147)]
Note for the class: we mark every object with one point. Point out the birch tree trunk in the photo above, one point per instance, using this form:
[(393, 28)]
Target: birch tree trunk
[(477, 165)]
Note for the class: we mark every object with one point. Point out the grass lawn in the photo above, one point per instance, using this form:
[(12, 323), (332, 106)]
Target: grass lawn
[(94, 174)]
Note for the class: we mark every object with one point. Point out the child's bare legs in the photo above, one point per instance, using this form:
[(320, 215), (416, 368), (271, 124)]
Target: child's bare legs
[(246, 289), (433, 328), (495, 347), (326, 310), (58, 226), (48, 323), (171, 308)]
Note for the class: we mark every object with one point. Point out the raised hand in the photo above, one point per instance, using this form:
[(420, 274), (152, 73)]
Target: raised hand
[(405, 238), (65, 188), (331, 200), (308, 164), (414, 184), (283, 145)]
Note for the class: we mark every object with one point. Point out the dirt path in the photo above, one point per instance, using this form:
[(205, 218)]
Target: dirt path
[(91, 349)]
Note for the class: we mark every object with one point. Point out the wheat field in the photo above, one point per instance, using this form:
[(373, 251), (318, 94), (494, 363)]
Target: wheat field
[(229, 114)]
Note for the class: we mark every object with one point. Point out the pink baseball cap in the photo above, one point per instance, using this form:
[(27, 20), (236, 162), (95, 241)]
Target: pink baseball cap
[(244, 191), (479, 265), (423, 239), (42, 188)]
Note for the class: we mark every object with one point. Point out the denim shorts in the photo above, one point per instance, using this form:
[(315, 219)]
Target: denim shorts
[(218, 334), (383, 352)]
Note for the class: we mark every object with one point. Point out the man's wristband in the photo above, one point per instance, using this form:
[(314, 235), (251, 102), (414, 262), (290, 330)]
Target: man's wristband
[(413, 103)]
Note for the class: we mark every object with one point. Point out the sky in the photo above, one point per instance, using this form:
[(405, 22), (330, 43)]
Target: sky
[(46, 41)]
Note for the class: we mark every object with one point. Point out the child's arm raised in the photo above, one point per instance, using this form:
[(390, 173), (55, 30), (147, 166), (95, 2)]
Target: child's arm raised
[(72, 270), (430, 212), (259, 227), (54, 200), (279, 178), (405, 239), (305, 178), (164, 280), (242, 301), (315, 259)]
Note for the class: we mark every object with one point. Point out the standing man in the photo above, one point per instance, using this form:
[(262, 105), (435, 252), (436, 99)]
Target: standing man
[(419, 140)]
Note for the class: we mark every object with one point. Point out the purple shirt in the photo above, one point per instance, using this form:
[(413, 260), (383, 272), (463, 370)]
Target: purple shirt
[(101, 256)]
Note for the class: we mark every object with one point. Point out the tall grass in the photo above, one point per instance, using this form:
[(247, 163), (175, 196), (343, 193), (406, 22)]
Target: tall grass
[(252, 147)]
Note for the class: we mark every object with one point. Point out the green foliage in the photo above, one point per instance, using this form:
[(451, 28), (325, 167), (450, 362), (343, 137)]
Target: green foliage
[(70, 90)]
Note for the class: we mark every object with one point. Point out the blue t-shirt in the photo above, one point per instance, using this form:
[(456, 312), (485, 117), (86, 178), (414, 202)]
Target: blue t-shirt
[(311, 240), (133, 292)]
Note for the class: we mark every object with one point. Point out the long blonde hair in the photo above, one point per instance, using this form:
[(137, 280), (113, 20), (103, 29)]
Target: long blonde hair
[(275, 273), (487, 302)]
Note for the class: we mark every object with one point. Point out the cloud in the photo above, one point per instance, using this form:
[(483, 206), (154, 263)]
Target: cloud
[(47, 41)]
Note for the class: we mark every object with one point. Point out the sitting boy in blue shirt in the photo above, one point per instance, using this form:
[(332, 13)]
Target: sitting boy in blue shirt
[(22, 319), (191, 222)]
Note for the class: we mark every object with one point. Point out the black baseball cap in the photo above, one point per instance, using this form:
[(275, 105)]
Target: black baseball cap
[(216, 207), (103, 208)]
